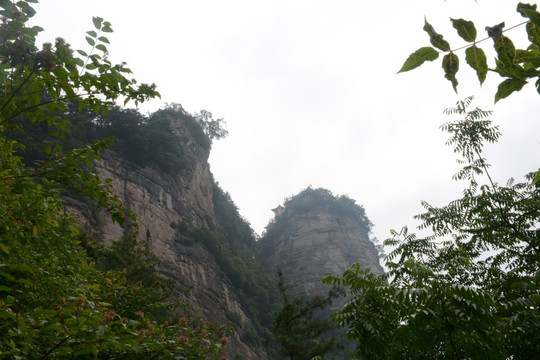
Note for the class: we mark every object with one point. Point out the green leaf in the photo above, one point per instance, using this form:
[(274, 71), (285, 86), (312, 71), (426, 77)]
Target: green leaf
[(92, 33), (107, 27), (4, 248), (21, 324), (537, 176), (82, 52), (418, 57), (7, 276), (5, 314), (104, 39), (465, 29), (522, 6), (97, 22), (506, 51), (90, 41), (450, 65), (532, 58), (9, 9), (436, 39), (476, 58), (533, 15), (507, 87), (101, 47), (533, 33), (26, 8)]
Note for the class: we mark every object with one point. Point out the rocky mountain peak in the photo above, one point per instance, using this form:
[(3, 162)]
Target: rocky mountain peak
[(316, 234)]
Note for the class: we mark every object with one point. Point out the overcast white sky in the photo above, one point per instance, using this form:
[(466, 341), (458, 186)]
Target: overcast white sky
[(310, 94)]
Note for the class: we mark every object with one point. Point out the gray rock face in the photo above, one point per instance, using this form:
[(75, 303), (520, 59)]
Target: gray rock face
[(315, 235), (162, 203), (317, 243)]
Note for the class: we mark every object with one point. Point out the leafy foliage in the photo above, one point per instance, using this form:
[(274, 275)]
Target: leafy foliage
[(516, 66), (202, 126), (298, 333), (143, 140), (233, 244), (54, 302), (470, 290), (214, 129)]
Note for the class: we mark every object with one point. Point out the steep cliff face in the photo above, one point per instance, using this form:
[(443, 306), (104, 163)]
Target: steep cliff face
[(316, 235), (193, 227), (166, 206)]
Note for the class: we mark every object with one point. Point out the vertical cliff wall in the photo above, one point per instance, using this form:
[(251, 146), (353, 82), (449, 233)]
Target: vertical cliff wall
[(167, 207)]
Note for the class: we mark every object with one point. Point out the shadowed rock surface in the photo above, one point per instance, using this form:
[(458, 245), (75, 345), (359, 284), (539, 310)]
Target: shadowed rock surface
[(317, 234)]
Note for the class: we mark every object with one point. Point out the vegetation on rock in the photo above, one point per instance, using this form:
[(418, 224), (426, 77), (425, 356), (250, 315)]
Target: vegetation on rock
[(143, 140), (310, 200), (233, 245)]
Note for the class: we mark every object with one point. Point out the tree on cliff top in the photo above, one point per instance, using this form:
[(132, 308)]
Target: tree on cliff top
[(320, 199)]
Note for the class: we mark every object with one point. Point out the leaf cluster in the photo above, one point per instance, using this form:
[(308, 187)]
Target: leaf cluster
[(516, 66), (54, 302), (470, 289)]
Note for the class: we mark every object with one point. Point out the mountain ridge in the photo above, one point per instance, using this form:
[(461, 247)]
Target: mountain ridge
[(211, 253)]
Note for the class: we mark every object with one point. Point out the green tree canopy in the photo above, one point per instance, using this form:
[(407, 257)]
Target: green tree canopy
[(54, 302), (468, 290)]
